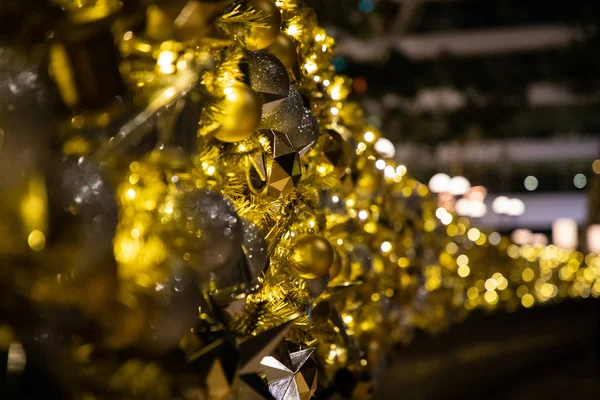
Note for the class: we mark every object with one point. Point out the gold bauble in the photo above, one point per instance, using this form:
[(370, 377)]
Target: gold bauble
[(241, 113), (258, 38), (312, 256), (284, 49)]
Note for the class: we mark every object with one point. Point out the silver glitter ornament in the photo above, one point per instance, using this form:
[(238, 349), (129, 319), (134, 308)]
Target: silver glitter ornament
[(83, 217), (287, 116), (307, 133), (177, 302), (212, 234), (269, 78)]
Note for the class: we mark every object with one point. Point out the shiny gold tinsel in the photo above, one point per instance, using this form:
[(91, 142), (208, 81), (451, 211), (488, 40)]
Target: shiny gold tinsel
[(240, 244)]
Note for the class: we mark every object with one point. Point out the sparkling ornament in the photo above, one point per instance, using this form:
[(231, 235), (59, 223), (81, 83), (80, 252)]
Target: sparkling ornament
[(268, 78), (337, 152), (287, 117), (305, 137), (83, 221), (312, 256), (294, 377), (286, 169), (260, 37), (238, 114), (211, 235), (175, 312)]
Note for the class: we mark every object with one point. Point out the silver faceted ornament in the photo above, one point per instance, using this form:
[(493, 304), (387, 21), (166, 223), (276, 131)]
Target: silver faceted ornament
[(287, 117), (305, 137)]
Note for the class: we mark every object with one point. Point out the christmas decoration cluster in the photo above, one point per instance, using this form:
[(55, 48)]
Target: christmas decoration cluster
[(193, 209)]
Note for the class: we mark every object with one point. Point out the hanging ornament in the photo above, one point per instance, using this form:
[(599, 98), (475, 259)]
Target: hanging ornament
[(82, 223), (268, 78), (286, 170), (262, 34), (287, 116), (237, 115), (337, 152), (293, 376), (207, 233), (305, 137), (253, 261), (312, 256), (284, 48), (178, 303)]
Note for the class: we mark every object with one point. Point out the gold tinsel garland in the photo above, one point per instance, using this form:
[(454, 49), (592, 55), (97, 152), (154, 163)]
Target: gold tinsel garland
[(272, 252)]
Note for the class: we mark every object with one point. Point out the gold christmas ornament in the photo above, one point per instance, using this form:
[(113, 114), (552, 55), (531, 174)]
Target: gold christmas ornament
[(262, 35), (212, 238), (312, 256), (337, 152), (286, 169), (284, 48), (238, 114)]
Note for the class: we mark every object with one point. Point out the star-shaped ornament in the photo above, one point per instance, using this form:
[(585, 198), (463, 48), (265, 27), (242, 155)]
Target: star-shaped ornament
[(291, 375), (250, 384)]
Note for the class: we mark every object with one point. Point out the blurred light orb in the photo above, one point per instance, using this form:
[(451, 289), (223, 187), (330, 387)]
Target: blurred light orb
[(478, 209), (593, 238), (522, 236), (564, 233), (471, 208), (476, 193), (384, 147), (596, 166), (580, 181), (531, 183), (540, 239), (494, 238), (380, 165), (439, 183), (504, 205), (459, 185), (515, 207)]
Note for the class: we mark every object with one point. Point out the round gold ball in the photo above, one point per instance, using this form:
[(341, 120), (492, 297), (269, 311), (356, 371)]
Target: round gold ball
[(242, 113), (284, 49), (258, 38), (312, 256)]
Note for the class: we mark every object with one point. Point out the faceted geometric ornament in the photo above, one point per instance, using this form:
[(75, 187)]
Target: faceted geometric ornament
[(337, 151), (250, 385), (293, 376), (216, 363), (286, 169)]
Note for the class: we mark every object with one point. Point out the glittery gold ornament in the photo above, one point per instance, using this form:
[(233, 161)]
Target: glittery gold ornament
[(260, 37), (337, 152), (312, 256), (239, 113), (284, 48)]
